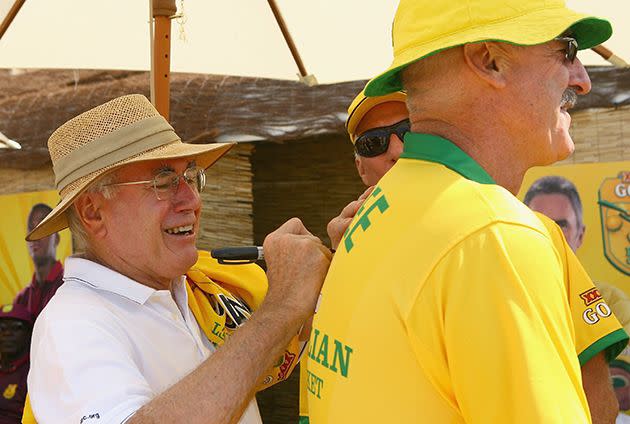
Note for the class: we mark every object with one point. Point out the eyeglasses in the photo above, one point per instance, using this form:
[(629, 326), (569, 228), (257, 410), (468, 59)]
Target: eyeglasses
[(570, 49), (165, 183), (376, 141)]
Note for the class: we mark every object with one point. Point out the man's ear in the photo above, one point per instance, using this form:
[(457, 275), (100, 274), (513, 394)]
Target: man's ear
[(360, 169), (88, 209), (580, 237), (488, 61)]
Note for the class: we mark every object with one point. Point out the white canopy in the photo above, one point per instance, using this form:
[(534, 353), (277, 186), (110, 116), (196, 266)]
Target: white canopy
[(338, 40)]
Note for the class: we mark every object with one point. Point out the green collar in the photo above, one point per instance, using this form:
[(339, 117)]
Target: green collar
[(434, 148)]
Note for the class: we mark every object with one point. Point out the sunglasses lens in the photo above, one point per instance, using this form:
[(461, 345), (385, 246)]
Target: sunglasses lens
[(376, 142), (372, 145)]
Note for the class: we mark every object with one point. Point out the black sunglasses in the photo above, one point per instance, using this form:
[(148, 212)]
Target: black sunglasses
[(570, 49), (375, 142)]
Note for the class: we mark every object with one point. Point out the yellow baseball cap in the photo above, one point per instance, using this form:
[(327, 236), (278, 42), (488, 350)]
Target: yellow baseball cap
[(362, 105), (424, 27)]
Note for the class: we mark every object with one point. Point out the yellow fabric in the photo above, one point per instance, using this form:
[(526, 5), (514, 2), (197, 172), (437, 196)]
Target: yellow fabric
[(596, 330), (213, 288), (451, 307), (422, 28), (27, 416), (16, 266), (587, 335), (303, 402)]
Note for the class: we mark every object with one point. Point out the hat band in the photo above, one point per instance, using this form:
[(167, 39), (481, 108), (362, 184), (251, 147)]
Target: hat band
[(114, 147)]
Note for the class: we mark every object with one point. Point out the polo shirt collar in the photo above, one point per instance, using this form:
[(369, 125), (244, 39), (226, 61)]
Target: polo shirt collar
[(434, 148), (103, 278)]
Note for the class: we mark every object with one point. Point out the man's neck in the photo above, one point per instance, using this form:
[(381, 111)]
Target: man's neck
[(42, 271), (122, 267), (485, 144)]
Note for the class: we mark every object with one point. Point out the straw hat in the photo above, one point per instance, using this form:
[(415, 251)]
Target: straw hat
[(125, 130), (361, 105), (424, 27)]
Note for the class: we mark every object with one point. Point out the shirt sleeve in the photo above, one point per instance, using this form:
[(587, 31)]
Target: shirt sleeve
[(83, 372), (596, 327), (501, 318)]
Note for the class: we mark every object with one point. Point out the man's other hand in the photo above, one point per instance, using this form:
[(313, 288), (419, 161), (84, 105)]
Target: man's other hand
[(338, 225)]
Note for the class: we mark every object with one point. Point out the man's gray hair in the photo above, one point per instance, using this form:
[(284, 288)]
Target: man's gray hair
[(555, 184), (79, 236)]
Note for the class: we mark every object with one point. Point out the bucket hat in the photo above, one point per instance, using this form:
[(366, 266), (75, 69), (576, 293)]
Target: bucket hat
[(125, 130), (362, 104), (424, 27)]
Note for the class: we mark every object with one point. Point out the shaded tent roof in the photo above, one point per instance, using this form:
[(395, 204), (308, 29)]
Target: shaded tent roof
[(204, 108)]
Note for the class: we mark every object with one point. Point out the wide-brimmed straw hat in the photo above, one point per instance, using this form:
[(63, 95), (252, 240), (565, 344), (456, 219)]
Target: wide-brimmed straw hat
[(125, 130), (424, 27), (362, 105)]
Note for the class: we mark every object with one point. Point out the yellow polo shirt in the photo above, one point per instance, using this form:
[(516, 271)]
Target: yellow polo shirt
[(447, 302)]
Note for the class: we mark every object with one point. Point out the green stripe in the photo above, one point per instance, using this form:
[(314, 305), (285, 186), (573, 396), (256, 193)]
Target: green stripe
[(437, 149), (303, 420), (612, 344)]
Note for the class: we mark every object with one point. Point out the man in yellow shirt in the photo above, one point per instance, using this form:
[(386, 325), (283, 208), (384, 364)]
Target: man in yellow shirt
[(441, 257)]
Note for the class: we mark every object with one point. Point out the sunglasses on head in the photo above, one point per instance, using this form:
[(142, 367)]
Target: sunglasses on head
[(570, 48), (375, 142)]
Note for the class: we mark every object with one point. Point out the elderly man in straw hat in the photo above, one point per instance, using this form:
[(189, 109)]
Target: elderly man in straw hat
[(118, 342), (447, 299)]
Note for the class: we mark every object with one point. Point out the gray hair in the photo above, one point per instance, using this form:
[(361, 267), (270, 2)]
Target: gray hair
[(555, 184), (79, 236)]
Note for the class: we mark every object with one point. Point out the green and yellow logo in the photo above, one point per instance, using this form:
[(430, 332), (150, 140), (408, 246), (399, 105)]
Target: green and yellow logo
[(614, 210)]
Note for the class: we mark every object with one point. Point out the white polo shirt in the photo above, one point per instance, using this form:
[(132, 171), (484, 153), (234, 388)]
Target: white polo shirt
[(106, 345)]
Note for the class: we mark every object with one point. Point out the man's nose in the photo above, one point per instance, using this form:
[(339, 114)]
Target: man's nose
[(186, 196), (578, 77)]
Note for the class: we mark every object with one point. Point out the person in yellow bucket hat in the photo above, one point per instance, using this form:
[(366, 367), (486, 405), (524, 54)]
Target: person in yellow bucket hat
[(145, 328), (376, 122), (447, 297)]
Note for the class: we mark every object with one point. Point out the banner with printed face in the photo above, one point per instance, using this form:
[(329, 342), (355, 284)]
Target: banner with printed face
[(16, 255), (604, 190)]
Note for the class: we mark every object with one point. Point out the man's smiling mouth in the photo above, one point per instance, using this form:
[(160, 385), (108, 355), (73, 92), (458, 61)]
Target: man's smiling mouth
[(183, 230)]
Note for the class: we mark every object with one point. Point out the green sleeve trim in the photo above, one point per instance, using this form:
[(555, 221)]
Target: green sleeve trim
[(612, 344), (303, 420)]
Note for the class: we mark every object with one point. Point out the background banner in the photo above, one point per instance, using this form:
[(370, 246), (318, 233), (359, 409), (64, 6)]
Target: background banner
[(16, 266), (604, 189)]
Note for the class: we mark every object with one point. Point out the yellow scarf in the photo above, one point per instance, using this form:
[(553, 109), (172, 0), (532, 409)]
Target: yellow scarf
[(222, 298)]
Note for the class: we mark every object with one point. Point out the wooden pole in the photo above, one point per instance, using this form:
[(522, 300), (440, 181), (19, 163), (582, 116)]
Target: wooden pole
[(609, 56), (162, 12), (304, 76), (6, 23)]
